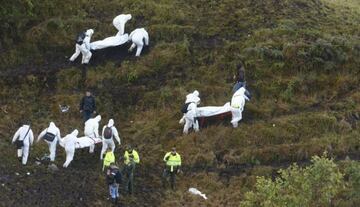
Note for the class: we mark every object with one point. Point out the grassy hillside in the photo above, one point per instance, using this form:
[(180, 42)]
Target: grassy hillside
[(301, 59)]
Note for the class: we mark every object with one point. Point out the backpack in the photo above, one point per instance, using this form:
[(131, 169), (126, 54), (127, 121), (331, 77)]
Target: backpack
[(80, 38), (108, 133), (184, 108), (49, 136)]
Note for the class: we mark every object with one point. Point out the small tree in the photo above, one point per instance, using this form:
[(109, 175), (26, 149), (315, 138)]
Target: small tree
[(314, 185)]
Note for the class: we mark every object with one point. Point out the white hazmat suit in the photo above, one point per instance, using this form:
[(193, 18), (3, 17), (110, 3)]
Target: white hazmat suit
[(237, 104), (190, 117), (25, 134), (138, 37), (53, 129), (69, 143), (120, 21), (92, 130), (109, 142), (84, 48)]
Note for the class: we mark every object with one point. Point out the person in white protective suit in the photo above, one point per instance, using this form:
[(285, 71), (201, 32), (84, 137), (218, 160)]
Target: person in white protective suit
[(92, 130), (120, 21), (83, 46), (191, 97), (69, 142), (109, 132), (24, 138), (138, 37), (52, 136), (191, 103), (237, 104)]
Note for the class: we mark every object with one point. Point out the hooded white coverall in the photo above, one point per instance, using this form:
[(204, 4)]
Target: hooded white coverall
[(84, 48), (53, 129), (69, 142), (237, 104), (120, 21), (190, 116), (28, 140), (138, 37), (109, 142), (92, 130)]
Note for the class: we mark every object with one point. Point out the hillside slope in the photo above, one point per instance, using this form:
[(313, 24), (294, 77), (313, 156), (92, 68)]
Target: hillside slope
[(301, 59)]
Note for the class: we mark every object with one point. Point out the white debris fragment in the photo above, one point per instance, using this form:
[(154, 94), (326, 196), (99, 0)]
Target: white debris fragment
[(64, 108), (17, 173), (197, 192)]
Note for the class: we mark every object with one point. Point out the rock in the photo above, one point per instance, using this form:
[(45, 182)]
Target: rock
[(28, 173), (17, 173), (37, 163), (53, 167)]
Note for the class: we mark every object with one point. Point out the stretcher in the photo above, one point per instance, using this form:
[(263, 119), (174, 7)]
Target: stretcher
[(83, 142)]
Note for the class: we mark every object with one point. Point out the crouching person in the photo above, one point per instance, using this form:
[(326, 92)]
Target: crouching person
[(113, 178), (173, 163), (83, 46), (23, 138)]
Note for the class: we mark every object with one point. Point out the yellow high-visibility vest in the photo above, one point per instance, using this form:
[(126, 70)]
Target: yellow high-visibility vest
[(173, 160), (127, 158), (109, 158)]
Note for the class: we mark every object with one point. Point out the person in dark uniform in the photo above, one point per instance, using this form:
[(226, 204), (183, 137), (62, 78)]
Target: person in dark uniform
[(87, 105)]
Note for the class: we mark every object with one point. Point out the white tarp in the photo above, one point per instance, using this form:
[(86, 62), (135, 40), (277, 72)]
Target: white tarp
[(110, 42), (83, 142), (213, 110)]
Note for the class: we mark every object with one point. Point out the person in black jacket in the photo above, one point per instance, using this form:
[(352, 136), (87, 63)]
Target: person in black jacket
[(113, 178), (240, 80), (87, 106)]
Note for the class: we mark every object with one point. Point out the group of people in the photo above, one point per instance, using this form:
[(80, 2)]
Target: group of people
[(191, 111), (24, 138), (139, 37)]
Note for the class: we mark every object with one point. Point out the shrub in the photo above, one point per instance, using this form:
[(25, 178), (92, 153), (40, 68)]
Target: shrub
[(315, 185)]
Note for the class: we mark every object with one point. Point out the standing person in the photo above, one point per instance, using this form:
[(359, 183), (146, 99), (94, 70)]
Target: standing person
[(240, 80), (108, 133), (113, 178), (173, 163), (69, 143), (131, 159), (24, 138), (51, 135), (238, 104), (87, 105), (109, 158), (189, 111), (91, 130)]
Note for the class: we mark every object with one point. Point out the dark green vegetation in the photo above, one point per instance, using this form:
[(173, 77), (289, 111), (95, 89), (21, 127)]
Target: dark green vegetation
[(301, 59)]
